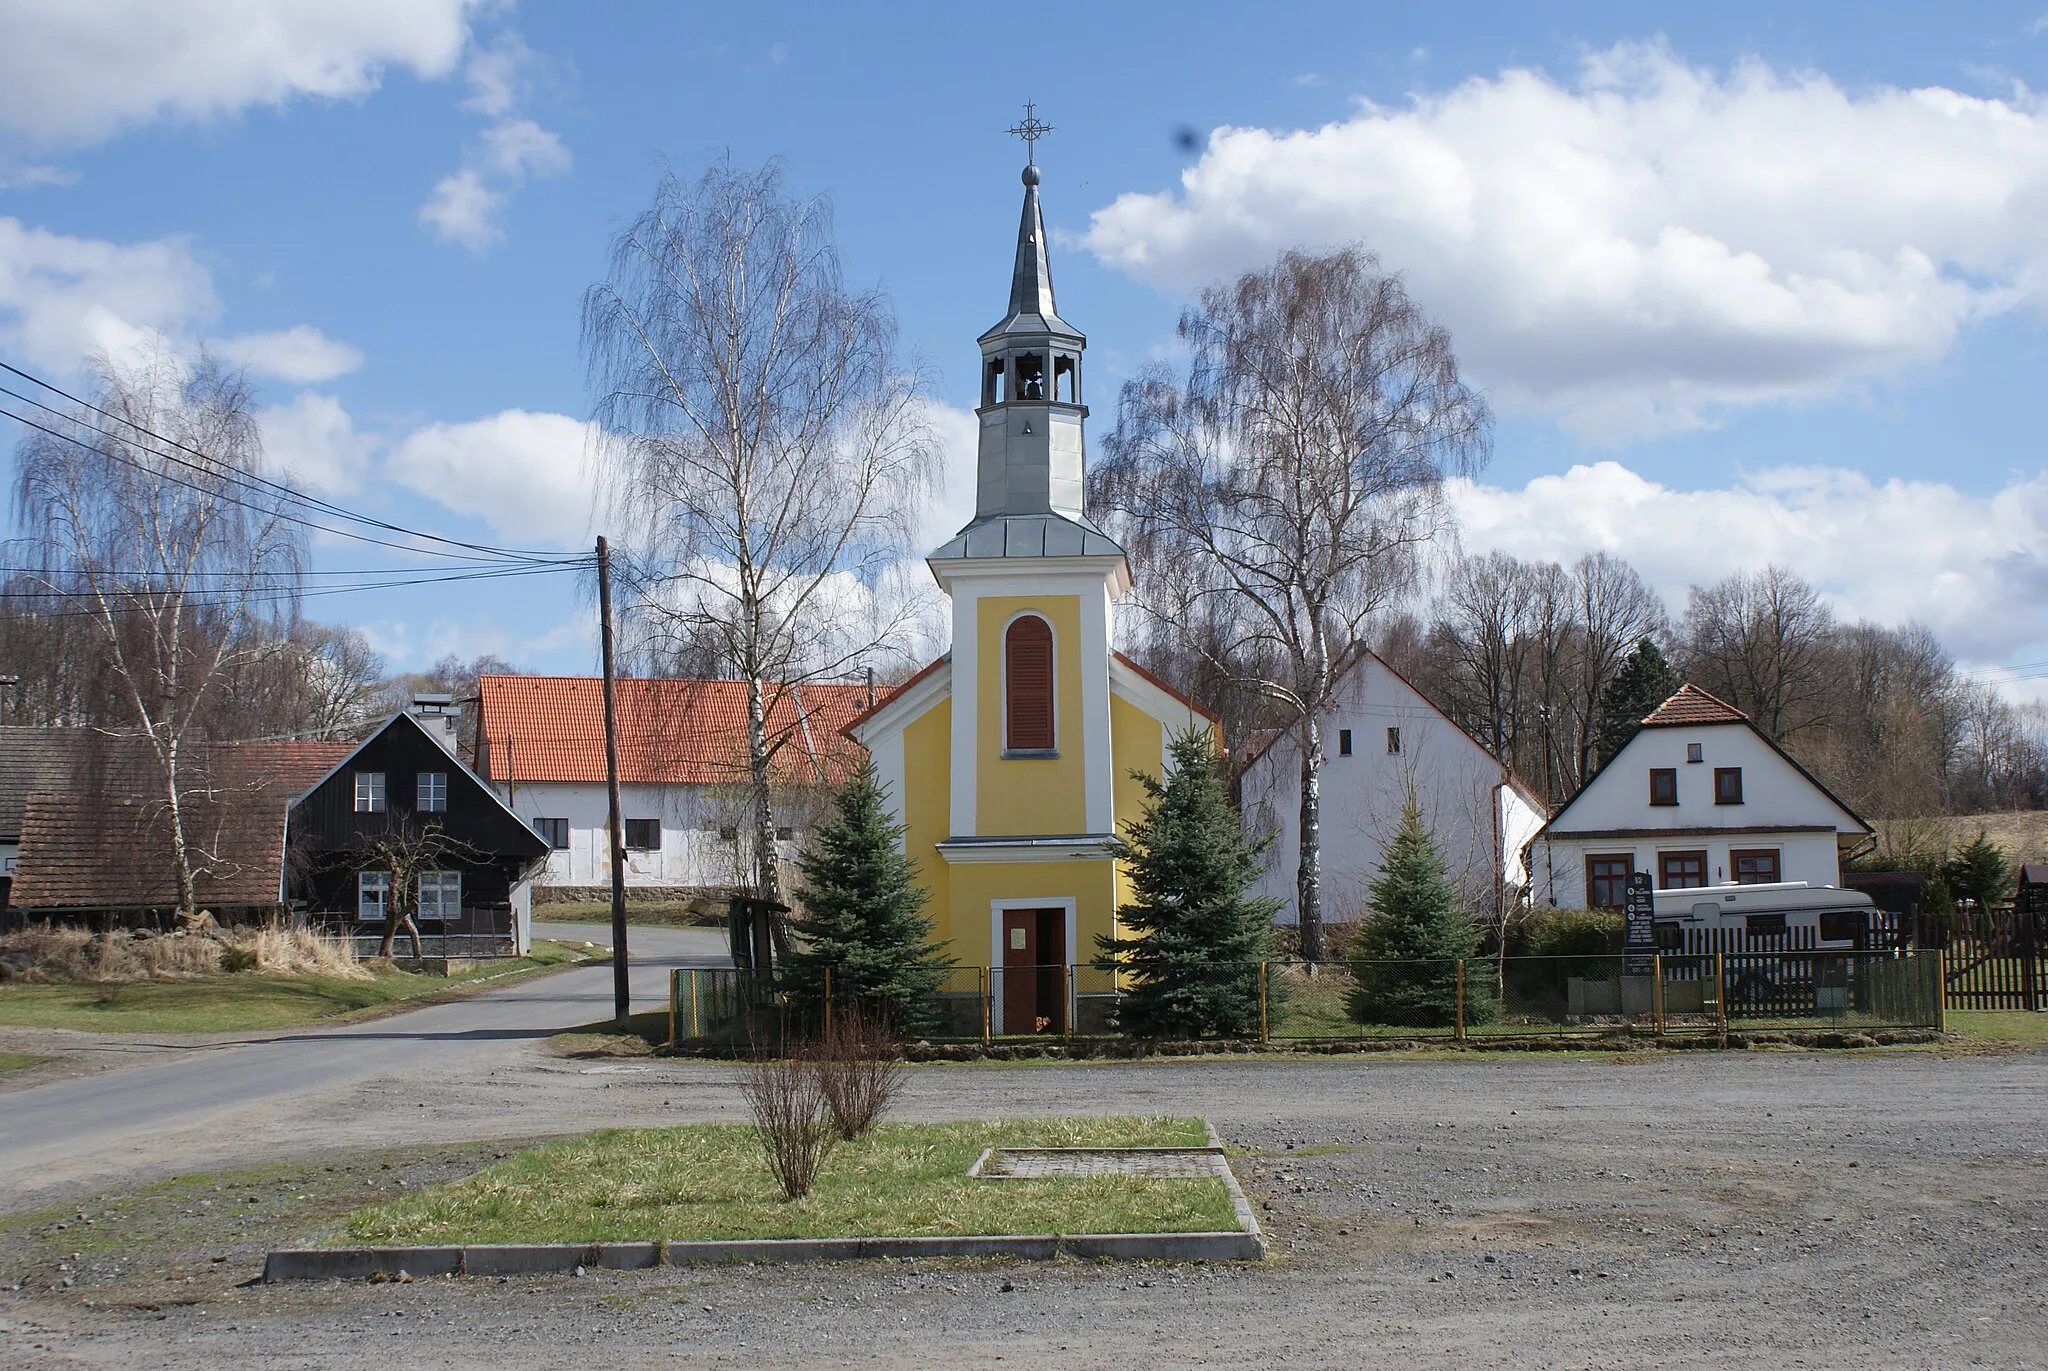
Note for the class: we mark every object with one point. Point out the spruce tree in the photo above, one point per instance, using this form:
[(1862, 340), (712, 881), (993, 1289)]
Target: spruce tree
[(863, 916), (1405, 957), (1646, 681), (1979, 872), (1195, 939)]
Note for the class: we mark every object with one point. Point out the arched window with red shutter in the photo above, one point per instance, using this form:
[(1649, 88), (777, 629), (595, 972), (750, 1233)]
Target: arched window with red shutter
[(1027, 685)]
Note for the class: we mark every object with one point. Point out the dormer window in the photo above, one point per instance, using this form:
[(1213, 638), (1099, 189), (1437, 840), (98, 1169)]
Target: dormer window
[(1030, 376)]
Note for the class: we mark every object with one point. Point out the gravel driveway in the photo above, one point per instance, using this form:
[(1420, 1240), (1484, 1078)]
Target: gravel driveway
[(1741, 1210)]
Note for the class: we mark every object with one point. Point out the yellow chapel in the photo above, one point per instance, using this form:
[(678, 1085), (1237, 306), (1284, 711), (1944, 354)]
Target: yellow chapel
[(1008, 761)]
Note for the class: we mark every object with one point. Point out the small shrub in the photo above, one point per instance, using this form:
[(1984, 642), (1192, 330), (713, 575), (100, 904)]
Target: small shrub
[(1569, 933), (792, 1119), (859, 1071)]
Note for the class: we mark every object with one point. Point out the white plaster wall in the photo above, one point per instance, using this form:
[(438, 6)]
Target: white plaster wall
[(1560, 861), (1455, 781), (1774, 793), (691, 852)]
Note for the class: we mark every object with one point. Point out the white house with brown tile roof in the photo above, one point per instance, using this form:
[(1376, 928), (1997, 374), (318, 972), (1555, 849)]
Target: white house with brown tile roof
[(1384, 742), (682, 771), (1699, 796)]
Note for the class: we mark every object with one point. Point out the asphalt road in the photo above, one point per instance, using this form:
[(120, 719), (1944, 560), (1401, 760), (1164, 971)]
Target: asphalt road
[(117, 1111)]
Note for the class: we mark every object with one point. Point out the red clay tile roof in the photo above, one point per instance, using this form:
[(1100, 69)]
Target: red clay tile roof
[(1691, 705), (106, 845), (686, 732)]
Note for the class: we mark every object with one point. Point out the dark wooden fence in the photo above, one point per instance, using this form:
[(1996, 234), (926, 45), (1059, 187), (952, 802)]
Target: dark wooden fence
[(1995, 962)]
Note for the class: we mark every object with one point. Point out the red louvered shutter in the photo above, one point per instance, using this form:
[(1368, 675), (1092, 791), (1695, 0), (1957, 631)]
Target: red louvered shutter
[(1027, 662)]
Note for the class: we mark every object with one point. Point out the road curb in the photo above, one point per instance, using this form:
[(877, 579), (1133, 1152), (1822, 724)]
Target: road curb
[(367, 1263)]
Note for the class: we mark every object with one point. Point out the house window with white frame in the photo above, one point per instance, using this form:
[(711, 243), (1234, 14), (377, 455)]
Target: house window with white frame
[(433, 792), (373, 896), (369, 792), (440, 896)]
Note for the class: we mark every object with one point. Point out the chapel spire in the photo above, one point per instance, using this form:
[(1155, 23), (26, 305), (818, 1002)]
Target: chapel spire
[(1029, 467)]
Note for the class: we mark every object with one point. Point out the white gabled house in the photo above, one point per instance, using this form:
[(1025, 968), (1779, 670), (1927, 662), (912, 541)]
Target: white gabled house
[(1699, 796), (682, 774), (1384, 742)]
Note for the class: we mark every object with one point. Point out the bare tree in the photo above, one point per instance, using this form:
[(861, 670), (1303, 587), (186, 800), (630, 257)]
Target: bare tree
[(147, 514), (1757, 639), (1484, 620), (1614, 609), (765, 451), (1293, 475), (408, 848)]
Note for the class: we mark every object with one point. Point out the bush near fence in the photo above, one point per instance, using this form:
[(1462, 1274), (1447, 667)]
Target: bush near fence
[(1509, 997)]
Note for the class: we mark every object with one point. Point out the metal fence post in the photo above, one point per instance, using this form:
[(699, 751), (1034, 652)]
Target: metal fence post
[(1265, 1035), (675, 976), (981, 973), (1941, 990), (1460, 1022), (828, 1002), (696, 1018), (1067, 1001), (1721, 996), (1657, 993)]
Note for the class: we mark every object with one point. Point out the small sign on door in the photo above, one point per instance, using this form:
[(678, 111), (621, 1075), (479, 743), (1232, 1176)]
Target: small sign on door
[(1017, 939)]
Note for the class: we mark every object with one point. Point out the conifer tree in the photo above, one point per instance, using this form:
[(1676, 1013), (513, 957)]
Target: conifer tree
[(1646, 681), (1195, 939), (1405, 957), (863, 916)]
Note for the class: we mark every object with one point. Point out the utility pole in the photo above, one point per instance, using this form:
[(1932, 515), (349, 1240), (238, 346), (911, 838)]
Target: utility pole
[(622, 989)]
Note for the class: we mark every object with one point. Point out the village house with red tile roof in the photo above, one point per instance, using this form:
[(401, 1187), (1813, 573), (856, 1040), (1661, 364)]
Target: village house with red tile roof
[(1699, 796), (682, 772)]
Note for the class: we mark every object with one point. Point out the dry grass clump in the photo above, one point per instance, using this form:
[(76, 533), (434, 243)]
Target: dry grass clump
[(50, 953), (298, 951)]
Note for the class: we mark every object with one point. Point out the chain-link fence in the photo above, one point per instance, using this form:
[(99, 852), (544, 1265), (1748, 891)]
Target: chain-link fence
[(1279, 1001)]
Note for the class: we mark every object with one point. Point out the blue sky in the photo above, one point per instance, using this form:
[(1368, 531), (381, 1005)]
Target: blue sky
[(1745, 282)]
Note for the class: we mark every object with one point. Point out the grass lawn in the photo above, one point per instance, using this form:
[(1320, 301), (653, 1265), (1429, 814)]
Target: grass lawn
[(246, 1000), (710, 1181), (673, 915), (2000, 1025), (19, 1061)]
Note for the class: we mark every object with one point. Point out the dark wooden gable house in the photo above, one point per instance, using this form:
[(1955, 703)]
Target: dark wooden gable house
[(473, 859)]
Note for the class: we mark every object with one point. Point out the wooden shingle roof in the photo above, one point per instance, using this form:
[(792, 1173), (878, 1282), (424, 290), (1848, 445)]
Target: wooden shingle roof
[(96, 846)]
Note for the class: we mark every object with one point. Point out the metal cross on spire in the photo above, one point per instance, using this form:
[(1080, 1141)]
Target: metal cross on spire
[(1031, 130)]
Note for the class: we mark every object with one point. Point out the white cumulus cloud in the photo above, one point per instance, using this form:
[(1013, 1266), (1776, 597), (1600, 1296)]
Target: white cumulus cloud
[(464, 206), (63, 298), (75, 71), (301, 354), (1973, 568), (1650, 242), (313, 438), (520, 472)]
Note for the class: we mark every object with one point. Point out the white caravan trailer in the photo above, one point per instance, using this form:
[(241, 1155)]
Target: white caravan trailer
[(1782, 914)]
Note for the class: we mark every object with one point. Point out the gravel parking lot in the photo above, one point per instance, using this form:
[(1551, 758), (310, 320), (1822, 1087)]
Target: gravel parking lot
[(1696, 1209)]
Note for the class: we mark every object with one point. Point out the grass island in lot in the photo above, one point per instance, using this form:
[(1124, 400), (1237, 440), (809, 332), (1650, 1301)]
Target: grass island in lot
[(245, 1000), (709, 1182)]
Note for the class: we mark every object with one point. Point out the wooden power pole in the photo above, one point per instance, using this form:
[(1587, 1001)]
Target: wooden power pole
[(622, 989)]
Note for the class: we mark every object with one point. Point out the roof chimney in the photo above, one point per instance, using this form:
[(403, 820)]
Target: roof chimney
[(440, 716)]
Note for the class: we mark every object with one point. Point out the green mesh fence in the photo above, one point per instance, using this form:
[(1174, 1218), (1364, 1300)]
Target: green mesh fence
[(1475, 998)]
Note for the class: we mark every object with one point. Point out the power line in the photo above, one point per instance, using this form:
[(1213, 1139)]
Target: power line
[(270, 595), (213, 467)]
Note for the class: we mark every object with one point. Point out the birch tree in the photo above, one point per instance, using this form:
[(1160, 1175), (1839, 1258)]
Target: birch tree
[(147, 516), (1293, 472), (765, 454)]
